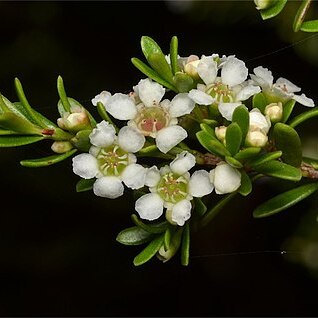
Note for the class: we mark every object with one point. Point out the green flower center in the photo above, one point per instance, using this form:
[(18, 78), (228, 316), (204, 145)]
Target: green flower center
[(172, 188), (221, 92), (152, 119), (112, 160)]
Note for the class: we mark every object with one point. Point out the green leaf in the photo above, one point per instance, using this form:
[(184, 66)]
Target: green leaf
[(15, 141), (273, 10), (149, 72), (199, 206), (262, 159), (81, 141), (149, 252), (260, 102), (233, 162), (174, 55), (242, 118), (159, 63), (61, 91), (167, 238), (300, 15), (11, 121), (303, 117), (233, 138), (288, 141), (104, 115), (85, 185), (3, 105), (212, 145), (155, 228), (133, 236), (285, 200), (47, 161), (33, 115), (247, 153), (185, 247), (213, 212), (174, 244), (183, 82), (246, 184), (210, 122), (149, 46), (5, 132), (208, 129), (309, 26), (287, 109), (280, 170)]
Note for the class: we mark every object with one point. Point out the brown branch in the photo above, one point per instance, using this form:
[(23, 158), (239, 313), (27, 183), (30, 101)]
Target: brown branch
[(308, 171)]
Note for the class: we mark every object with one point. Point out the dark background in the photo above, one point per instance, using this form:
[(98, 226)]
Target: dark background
[(58, 254)]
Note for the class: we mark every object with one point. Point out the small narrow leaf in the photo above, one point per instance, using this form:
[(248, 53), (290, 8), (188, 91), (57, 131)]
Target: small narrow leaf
[(287, 109), (104, 115), (185, 247), (279, 170), (246, 184), (183, 82), (260, 102), (85, 185), (262, 159), (303, 117), (309, 26), (47, 161), (208, 129), (149, 46), (273, 10), (288, 141), (133, 236), (174, 55), (158, 62), (142, 67), (247, 153), (285, 200), (5, 132), (242, 118), (154, 228), (150, 251), (212, 145), (15, 141), (233, 138), (61, 91), (167, 238), (199, 206), (300, 15)]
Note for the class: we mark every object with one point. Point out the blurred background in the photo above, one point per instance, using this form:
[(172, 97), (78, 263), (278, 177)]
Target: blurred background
[(58, 254)]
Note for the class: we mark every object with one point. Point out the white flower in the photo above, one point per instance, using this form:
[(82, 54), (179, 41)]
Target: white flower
[(102, 98), (172, 188), (150, 116), (282, 90), (225, 178), (227, 90), (111, 161)]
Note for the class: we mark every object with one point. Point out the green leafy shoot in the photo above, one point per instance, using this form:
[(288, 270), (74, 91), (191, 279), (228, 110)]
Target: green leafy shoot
[(274, 10), (309, 26)]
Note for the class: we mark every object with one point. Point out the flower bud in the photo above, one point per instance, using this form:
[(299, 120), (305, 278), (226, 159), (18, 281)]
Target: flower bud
[(75, 121), (263, 4), (61, 146), (220, 133), (256, 138), (191, 67), (274, 112)]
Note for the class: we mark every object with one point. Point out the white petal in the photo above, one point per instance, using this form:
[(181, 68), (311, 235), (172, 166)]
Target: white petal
[(152, 177), (247, 91), (103, 135), (200, 184), (227, 109), (85, 165), (200, 97), (259, 120), (103, 97), (207, 69), (263, 77), (181, 105), (149, 206), (134, 176), (121, 107), (130, 140), (108, 187), (183, 162), (234, 72), (150, 92), (304, 100), (287, 85), (225, 178), (169, 137), (181, 212)]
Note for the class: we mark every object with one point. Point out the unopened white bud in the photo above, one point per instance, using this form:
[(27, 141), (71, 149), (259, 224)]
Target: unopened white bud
[(191, 68), (61, 146), (220, 133), (274, 112), (263, 4), (256, 138), (75, 121)]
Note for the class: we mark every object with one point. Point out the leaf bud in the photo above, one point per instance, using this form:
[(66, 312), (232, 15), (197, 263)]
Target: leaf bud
[(61, 146)]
